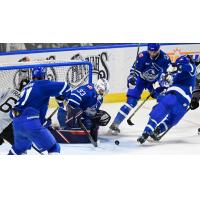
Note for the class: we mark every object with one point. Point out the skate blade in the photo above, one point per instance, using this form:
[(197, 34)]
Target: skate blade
[(151, 140), (112, 132)]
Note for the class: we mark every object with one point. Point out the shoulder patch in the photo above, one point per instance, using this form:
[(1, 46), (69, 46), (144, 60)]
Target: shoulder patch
[(166, 56), (140, 55), (90, 87)]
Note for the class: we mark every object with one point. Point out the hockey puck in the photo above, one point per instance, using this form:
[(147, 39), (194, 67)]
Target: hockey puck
[(198, 131), (117, 142)]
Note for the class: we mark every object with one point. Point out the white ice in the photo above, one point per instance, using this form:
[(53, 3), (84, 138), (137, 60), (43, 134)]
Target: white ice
[(180, 140)]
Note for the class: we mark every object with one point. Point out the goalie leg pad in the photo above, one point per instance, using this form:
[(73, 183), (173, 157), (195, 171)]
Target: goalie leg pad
[(73, 136)]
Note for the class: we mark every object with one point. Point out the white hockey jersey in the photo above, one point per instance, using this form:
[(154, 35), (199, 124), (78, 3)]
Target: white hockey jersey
[(8, 99)]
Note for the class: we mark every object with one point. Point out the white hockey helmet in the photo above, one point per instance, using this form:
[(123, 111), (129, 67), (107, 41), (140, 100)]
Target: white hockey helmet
[(102, 86)]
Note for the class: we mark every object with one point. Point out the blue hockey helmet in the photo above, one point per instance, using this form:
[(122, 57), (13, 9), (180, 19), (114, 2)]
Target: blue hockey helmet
[(38, 72), (153, 46), (182, 60)]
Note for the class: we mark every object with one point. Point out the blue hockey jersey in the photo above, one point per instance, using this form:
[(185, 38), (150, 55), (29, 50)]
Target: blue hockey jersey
[(85, 97), (37, 93), (184, 82), (150, 69)]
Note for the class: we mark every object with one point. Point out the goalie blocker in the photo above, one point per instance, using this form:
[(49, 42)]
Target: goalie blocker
[(72, 132)]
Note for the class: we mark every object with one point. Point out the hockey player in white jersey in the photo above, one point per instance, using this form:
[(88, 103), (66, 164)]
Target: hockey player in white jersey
[(8, 98)]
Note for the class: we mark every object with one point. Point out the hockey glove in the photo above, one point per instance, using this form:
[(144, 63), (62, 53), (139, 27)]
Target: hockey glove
[(131, 81), (89, 112), (194, 104), (48, 123), (101, 118), (172, 69), (167, 81)]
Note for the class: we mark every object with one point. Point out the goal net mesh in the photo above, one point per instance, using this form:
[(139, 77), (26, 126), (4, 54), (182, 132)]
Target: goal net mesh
[(75, 73)]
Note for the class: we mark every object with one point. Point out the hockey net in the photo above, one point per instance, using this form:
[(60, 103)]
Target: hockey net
[(75, 73)]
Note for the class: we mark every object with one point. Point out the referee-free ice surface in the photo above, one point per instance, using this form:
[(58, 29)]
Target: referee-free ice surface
[(180, 140)]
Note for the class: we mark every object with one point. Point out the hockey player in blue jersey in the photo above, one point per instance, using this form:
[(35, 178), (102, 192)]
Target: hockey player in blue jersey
[(29, 114), (83, 104), (173, 106), (144, 73)]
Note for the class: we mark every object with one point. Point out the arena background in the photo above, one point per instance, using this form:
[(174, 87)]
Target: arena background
[(110, 61)]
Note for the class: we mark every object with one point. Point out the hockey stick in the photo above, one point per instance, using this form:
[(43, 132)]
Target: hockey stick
[(86, 131), (52, 114), (129, 119), (138, 49), (60, 134), (36, 149), (160, 137)]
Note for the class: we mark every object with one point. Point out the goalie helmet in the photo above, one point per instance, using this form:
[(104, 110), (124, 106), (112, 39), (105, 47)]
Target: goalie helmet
[(39, 73), (102, 86)]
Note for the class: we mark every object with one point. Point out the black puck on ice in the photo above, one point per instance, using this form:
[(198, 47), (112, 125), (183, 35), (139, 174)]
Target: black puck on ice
[(198, 131), (117, 142)]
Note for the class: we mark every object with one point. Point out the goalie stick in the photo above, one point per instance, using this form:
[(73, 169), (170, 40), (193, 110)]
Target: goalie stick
[(87, 132)]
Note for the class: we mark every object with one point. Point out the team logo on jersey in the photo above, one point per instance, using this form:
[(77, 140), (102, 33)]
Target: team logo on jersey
[(150, 75)]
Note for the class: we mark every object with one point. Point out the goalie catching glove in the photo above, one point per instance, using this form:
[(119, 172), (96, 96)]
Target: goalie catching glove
[(102, 118)]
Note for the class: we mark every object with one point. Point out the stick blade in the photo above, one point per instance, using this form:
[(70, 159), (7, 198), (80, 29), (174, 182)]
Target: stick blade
[(130, 122)]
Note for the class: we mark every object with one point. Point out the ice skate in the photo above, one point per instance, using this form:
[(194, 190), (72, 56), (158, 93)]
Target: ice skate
[(143, 138), (113, 129)]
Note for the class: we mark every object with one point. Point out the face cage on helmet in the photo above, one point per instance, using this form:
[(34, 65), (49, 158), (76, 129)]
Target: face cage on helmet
[(155, 53)]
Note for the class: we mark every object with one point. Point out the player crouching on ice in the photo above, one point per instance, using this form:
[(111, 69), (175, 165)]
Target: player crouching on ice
[(174, 105), (83, 107)]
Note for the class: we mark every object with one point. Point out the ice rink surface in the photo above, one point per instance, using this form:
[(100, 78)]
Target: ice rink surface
[(180, 140)]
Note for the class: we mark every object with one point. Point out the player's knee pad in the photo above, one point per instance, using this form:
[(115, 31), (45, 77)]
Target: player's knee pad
[(55, 149), (159, 112), (132, 102)]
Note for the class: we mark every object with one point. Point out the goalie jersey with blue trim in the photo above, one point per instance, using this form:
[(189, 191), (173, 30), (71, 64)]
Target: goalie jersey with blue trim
[(85, 97)]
